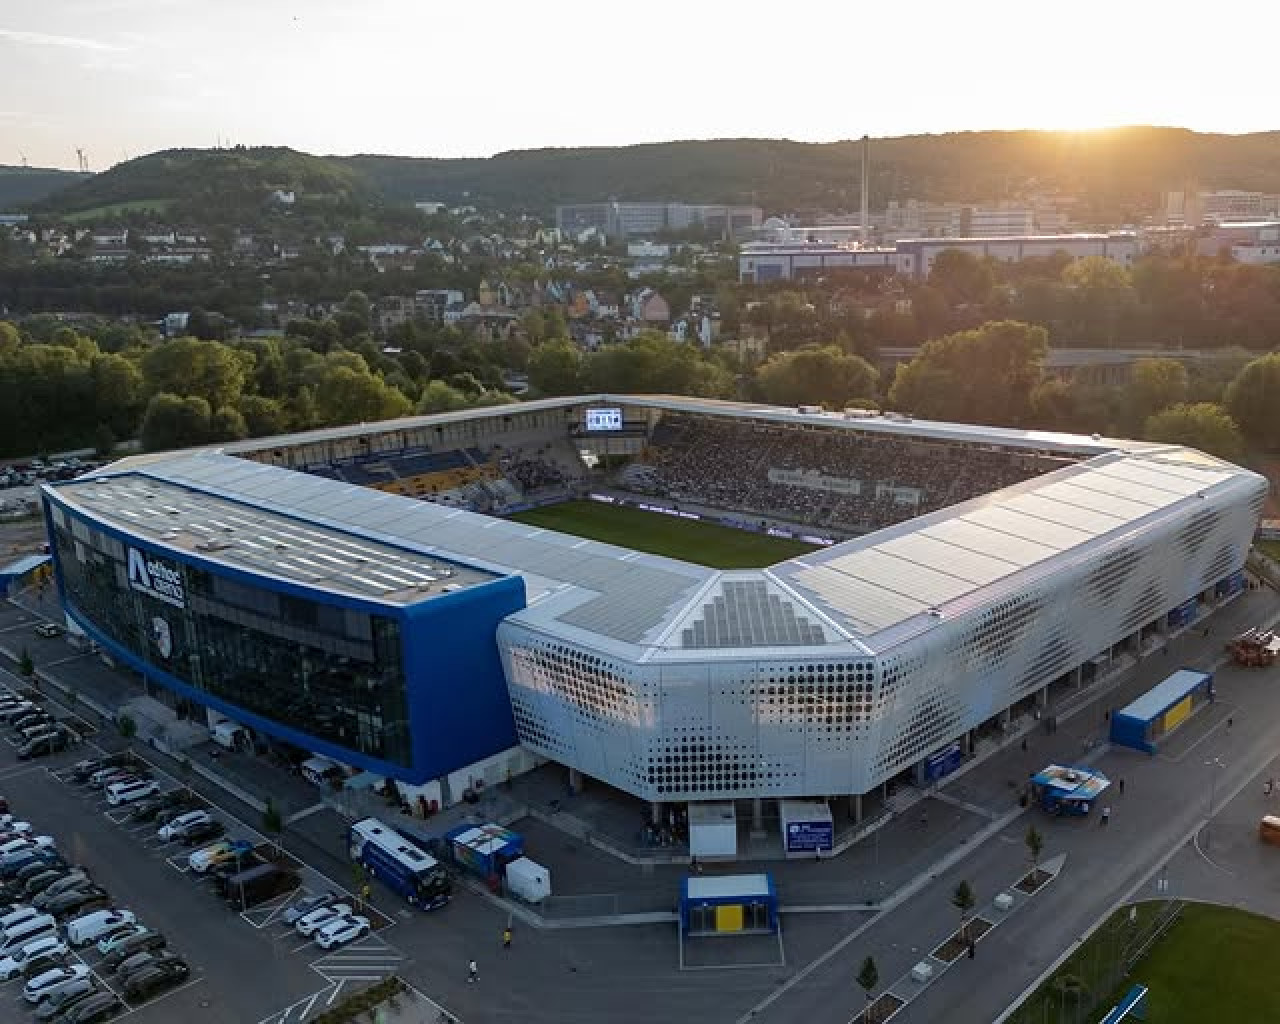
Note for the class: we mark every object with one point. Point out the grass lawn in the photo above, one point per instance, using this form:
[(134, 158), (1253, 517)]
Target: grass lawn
[(720, 547), (1213, 964), (111, 209), (1270, 548)]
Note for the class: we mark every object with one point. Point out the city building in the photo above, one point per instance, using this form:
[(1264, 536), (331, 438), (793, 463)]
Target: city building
[(913, 257), (623, 220), (412, 639)]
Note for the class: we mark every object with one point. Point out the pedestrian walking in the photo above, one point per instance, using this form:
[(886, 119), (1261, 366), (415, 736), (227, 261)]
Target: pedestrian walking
[(1122, 785), (973, 949), (1024, 744), (1106, 816), (506, 937), (1268, 787), (473, 972), (1230, 723)]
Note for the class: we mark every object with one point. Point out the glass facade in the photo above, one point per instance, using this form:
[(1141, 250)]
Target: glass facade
[(332, 672)]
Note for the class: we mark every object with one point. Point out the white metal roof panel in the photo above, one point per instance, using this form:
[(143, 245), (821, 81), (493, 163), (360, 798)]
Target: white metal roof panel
[(1122, 509), (1075, 517), (1051, 535), (970, 566), (868, 607), (965, 534), (911, 579)]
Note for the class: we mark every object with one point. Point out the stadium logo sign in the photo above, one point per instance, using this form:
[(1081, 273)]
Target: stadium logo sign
[(156, 579)]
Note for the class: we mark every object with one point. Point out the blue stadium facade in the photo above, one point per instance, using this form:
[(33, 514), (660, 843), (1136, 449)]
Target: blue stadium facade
[(404, 683)]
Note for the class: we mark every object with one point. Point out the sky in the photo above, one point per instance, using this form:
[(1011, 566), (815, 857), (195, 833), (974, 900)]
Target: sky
[(120, 78)]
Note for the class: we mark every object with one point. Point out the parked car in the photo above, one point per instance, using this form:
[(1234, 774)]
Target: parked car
[(202, 833), (43, 986), (312, 922), (60, 1002), (27, 719), (83, 771), (40, 881), (178, 827), (91, 927), (145, 941), (79, 901), (218, 853), (41, 964), (76, 878), (306, 905), (98, 1007), (342, 930), (21, 912), (43, 746), (115, 938), (12, 865), (127, 792), (11, 965), (145, 983), (146, 810), (48, 629), (138, 961)]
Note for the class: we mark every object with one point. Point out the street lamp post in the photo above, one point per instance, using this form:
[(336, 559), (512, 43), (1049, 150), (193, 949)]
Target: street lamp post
[(1213, 767)]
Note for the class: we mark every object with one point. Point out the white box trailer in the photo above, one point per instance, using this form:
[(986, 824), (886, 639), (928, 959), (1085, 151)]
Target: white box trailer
[(528, 880), (713, 831)]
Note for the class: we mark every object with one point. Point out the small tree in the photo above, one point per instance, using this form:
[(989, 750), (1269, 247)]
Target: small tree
[(963, 900), (868, 977), (1035, 846), (25, 665), (272, 821), (127, 727)]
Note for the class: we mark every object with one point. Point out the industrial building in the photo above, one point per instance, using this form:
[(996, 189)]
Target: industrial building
[(412, 638), (913, 257)]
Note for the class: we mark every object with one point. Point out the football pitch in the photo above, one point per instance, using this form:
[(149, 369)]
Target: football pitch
[(709, 544)]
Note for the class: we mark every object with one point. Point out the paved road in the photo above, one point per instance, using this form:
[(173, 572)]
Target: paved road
[(1166, 798)]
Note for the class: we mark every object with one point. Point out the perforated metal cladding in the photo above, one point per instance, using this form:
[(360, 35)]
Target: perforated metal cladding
[(576, 707), (1109, 577), (715, 724), (1197, 530)]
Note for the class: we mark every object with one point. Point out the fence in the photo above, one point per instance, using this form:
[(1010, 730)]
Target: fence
[(1088, 984)]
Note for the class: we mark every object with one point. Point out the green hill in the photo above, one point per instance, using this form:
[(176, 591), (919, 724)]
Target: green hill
[(1120, 173), (1116, 170), (207, 184), (20, 186)]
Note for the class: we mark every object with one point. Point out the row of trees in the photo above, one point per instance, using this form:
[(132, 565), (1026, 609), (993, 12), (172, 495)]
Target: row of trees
[(1165, 300), (67, 393), (996, 374), (59, 389)]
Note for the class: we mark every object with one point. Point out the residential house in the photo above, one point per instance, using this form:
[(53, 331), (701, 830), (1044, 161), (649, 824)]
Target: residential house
[(649, 307), (488, 323)]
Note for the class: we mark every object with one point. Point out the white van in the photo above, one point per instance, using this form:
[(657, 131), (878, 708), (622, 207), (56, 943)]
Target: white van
[(92, 927), (127, 792), (28, 931), (230, 734), (320, 771)]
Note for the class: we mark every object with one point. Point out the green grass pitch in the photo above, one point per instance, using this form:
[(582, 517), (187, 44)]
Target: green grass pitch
[(709, 544)]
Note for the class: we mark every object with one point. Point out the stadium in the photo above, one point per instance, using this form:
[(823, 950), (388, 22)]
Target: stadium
[(794, 603)]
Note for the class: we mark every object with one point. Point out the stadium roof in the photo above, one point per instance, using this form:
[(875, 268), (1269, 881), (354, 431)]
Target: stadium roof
[(863, 421), (862, 596), (231, 532)]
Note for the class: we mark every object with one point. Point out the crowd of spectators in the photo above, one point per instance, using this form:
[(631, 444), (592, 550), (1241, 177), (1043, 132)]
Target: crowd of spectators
[(726, 464)]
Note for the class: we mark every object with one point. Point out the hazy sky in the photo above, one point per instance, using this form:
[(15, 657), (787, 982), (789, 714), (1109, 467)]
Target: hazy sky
[(429, 78)]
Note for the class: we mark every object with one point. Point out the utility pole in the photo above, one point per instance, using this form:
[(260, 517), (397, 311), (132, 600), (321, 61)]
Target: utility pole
[(865, 233)]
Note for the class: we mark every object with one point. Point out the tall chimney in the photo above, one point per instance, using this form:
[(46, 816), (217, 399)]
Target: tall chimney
[(866, 190)]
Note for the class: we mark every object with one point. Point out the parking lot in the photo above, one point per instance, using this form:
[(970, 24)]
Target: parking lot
[(244, 966)]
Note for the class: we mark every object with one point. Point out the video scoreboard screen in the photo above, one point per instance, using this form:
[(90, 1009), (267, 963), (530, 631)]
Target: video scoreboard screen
[(604, 419)]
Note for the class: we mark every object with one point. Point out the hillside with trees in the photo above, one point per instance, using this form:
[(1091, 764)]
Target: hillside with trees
[(213, 186), (20, 186), (1119, 173)]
